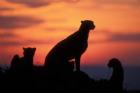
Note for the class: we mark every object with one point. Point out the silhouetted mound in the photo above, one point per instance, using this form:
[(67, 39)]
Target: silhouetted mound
[(81, 77), (1, 73), (82, 81)]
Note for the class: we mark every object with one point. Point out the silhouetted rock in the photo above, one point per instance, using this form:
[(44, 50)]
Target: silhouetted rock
[(82, 81), (1, 73), (70, 48)]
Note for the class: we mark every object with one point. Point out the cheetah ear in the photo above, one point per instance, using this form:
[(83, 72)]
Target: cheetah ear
[(82, 22), (24, 48)]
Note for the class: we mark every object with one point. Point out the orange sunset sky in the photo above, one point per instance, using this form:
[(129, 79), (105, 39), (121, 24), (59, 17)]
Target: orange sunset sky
[(43, 23)]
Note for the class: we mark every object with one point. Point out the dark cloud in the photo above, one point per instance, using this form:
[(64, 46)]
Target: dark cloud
[(39, 3), (120, 2), (116, 37), (28, 42), (124, 37), (24, 43), (31, 3), (60, 29), (5, 9), (9, 43), (7, 35), (9, 22)]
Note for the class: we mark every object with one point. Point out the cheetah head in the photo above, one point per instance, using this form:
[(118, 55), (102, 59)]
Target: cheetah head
[(88, 24), (29, 52), (113, 63)]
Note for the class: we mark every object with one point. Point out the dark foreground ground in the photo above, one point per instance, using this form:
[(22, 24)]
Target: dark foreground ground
[(39, 79)]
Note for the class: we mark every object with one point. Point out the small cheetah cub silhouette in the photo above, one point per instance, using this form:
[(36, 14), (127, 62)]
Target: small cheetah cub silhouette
[(71, 47), (24, 62)]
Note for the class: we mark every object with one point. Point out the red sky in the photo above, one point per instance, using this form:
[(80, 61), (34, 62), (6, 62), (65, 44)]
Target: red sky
[(43, 23)]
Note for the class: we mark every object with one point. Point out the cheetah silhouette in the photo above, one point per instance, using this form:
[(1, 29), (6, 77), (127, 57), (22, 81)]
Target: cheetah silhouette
[(25, 62), (117, 77), (70, 48)]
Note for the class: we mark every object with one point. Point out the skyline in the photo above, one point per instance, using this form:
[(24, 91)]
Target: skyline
[(43, 23)]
